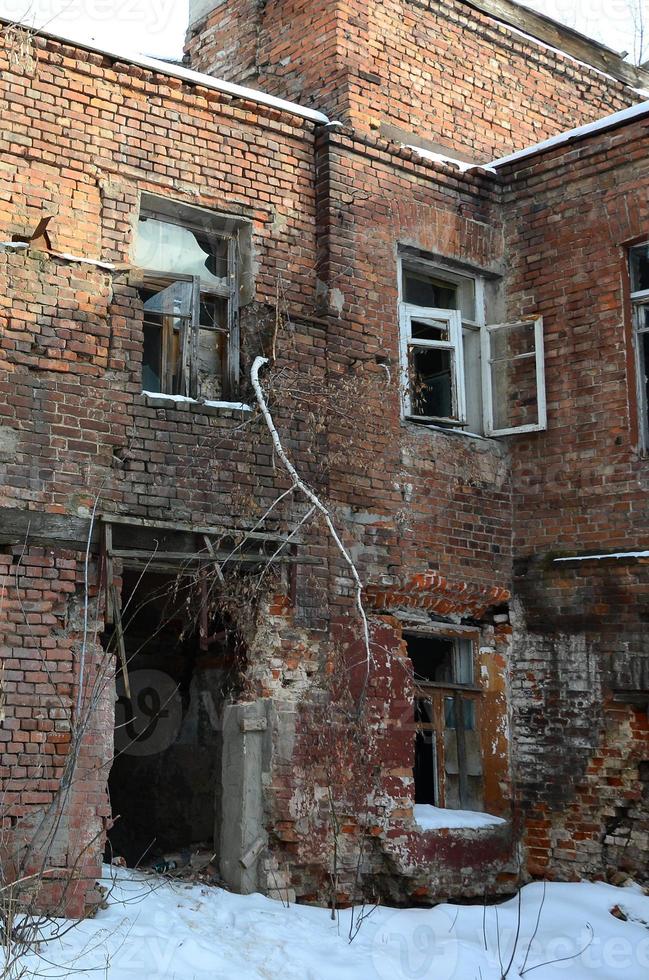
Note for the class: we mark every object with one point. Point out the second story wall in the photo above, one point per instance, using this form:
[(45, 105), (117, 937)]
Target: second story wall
[(572, 216), (433, 499), (409, 70), (84, 139)]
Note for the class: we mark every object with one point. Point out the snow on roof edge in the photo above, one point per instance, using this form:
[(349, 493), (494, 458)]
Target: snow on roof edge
[(566, 54), (194, 77), (434, 157), (607, 122)]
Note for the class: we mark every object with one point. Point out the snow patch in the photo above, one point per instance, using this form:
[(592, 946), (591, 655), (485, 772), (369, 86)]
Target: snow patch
[(461, 165), (435, 818), (66, 256), (619, 554), (615, 119), (194, 77), (233, 406), (165, 930), (77, 258)]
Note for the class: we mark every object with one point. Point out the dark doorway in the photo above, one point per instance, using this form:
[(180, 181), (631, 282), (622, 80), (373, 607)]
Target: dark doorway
[(165, 779)]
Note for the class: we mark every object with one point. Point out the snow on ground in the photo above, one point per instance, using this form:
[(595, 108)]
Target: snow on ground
[(435, 818), (157, 929)]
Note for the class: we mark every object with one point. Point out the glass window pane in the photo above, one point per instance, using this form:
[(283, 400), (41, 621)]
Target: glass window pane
[(421, 290), (449, 712), (514, 380), (464, 662), (431, 378), (644, 366), (640, 268), (429, 329), (165, 247), (642, 316), (512, 340), (468, 714), (435, 291), (152, 358), (214, 313)]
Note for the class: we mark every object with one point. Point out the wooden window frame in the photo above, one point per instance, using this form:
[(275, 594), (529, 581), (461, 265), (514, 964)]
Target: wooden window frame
[(454, 345), (434, 693), (487, 333), (195, 219), (477, 325)]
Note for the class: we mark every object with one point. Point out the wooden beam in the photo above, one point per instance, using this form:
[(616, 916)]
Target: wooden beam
[(132, 538), (47, 530), (119, 636), (564, 38)]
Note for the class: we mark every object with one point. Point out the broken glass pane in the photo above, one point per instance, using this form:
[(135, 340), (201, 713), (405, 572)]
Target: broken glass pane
[(213, 313), (175, 300), (165, 247), (432, 382), (640, 268)]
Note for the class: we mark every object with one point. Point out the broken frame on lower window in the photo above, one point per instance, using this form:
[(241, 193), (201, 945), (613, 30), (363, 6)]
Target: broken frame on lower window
[(448, 757)]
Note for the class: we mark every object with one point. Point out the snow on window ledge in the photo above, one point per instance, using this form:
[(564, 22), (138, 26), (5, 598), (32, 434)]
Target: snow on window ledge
[(435, 818), (449, 430), (184, 400)]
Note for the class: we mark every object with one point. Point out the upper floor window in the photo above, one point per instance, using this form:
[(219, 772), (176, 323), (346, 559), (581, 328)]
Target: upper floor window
[(458, 370), (191, 286), (639, 261)]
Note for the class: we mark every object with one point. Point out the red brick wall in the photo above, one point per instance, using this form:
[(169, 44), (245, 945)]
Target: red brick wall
[(51, 828), (442, 71), (453, 491), (74, 426), (427, 514), (580, 488)]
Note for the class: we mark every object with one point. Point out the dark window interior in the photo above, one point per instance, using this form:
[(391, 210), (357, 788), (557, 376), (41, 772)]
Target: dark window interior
[(432, 658), (423, 290), (640, 268), (432, 382)]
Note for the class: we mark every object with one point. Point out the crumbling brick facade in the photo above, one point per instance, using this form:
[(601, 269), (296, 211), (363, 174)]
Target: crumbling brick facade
[(454, 535), (580, 688)]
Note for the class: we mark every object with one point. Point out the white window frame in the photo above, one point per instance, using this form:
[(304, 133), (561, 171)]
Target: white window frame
[(453, 318), (407, 312), (640, 299), (538, 354)]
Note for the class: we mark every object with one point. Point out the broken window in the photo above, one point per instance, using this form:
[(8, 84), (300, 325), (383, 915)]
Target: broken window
[(191, 262), (457, 370), (639, 261), (448, 759)]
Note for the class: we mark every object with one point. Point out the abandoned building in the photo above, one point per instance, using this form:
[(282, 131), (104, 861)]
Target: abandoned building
[(430, 219)]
